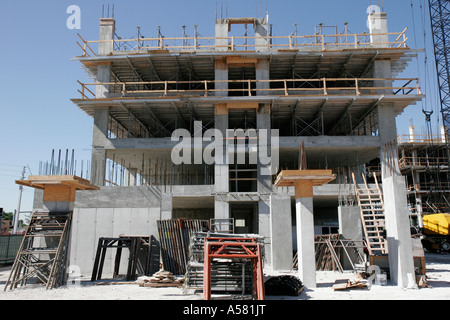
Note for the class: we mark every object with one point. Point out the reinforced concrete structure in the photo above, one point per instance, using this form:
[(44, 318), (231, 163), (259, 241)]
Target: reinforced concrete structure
[(337, 94), (424, 163)]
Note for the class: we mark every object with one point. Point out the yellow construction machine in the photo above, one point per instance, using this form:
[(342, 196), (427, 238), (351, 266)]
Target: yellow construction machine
[(436, 231)]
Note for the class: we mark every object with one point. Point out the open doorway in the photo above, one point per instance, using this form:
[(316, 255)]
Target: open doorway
[(245, 215)]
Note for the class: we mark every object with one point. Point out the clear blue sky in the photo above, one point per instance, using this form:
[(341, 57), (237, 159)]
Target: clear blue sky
[(38, 78)]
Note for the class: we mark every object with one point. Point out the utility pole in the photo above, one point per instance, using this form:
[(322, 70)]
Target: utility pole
[(17, 213)]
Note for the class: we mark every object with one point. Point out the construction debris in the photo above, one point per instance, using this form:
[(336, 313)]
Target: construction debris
[(330, 250), (344, 284), (161, 278)]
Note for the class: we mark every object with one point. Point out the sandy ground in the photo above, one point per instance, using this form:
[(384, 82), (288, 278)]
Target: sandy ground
[(438, 276)]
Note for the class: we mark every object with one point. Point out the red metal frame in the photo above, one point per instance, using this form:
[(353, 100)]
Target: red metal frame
[(234, 248)]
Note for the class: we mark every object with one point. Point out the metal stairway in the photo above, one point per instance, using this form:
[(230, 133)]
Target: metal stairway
[(370, 201), (43, 252)]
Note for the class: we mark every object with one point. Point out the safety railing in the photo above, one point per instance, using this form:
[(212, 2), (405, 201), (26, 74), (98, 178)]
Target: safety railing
[(317, 42), (281, 87), (423, 162), (428, 186), (418, 138)]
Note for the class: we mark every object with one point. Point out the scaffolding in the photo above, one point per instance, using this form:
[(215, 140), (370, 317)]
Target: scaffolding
[(425, 165)]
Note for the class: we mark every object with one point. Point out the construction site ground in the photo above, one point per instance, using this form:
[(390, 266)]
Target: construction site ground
[(438, 278)]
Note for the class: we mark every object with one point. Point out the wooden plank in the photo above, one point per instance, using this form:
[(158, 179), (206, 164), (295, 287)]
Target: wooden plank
[(340, 284), (160, 285), (59, 193), (41, 181), (243, 105)]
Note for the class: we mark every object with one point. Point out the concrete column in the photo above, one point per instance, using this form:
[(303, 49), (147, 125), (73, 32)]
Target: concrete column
[(401, 263), (221, 169), (264, 182), (262, 70), (264, 220), (166, 206), (221, 208), (412, 134), (101, 116), (264, 169), (262, 41), (221, 35), (221, 74), (387, 130), (281, 232), (107, 30), (305, 241), (103, 75), (99, 138), (378, 25), (419, 210)]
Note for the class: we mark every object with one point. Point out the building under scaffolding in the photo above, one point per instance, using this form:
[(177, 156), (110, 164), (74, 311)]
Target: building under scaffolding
[(337, 94), (424, 163)]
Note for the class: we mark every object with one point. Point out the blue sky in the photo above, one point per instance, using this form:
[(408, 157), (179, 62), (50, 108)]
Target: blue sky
[(38, 78)]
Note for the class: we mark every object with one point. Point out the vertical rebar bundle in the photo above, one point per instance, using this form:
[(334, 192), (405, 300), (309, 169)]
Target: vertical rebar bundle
[(61, 164)]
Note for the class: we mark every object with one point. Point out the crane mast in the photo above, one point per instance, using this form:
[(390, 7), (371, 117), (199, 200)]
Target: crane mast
[(440, 27)]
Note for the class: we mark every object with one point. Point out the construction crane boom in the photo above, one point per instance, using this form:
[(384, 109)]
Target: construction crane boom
[(440, 27)]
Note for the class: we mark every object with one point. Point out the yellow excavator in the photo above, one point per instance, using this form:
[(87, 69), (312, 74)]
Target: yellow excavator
[(436, 232)]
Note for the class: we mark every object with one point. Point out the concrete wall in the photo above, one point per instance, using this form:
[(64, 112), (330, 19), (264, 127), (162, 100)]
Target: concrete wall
[(110, 212)]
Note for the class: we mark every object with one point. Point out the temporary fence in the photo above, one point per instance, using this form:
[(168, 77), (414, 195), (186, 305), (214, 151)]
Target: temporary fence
[(9, 244)]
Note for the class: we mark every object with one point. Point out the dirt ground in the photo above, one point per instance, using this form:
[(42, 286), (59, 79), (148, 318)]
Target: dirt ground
[(438, 278)]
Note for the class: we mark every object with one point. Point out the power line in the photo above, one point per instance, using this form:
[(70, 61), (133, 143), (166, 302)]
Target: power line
[(8, 175), (10, 165)]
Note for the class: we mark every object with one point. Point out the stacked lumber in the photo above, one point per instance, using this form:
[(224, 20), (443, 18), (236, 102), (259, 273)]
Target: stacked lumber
[(328, 256), (161, 278)]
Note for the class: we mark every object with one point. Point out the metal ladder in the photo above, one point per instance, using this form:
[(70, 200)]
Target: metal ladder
[(370, 201), (43, 251)]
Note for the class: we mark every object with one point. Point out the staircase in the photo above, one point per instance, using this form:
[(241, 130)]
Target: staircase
[(370, 201), (43, 252)]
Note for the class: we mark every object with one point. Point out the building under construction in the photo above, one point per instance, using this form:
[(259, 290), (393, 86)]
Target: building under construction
[(322, 104), (424, 163)]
